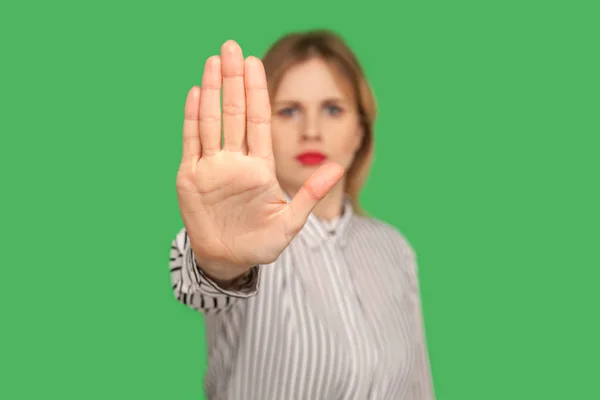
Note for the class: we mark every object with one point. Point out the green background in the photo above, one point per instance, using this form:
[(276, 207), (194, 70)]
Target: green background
[(486, 158)]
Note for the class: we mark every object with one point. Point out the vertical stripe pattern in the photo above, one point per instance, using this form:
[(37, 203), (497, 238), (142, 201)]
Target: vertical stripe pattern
[(337, 316)]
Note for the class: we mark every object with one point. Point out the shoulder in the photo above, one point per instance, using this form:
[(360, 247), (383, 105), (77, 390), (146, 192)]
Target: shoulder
[(384, 236)]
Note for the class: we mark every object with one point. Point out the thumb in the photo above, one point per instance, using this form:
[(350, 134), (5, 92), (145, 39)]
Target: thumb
[(314, 189)]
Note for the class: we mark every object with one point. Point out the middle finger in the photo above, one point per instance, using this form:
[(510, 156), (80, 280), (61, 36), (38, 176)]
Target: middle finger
[(234, 98)]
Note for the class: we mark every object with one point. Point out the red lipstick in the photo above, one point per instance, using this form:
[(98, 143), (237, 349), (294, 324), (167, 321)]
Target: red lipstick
[(311, 158)]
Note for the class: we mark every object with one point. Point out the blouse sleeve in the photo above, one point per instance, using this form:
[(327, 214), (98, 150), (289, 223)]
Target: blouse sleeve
[(194, 289)]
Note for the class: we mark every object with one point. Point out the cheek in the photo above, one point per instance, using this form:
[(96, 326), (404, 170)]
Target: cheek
[(281, 141), (351, 141)]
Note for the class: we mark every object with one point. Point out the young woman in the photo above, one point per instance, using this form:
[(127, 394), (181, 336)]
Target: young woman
[(304, 296)]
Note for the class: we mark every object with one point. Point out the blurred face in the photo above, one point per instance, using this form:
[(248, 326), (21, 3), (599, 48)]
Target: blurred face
[(315, 120)]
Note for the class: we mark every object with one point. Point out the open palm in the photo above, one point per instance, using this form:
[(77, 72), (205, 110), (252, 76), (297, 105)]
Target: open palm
[(234, 211)]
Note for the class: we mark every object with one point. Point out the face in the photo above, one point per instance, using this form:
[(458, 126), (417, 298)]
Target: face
[(314, 120)]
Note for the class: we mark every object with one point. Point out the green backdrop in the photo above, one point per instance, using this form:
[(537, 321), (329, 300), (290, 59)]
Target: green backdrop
[(486, 158)]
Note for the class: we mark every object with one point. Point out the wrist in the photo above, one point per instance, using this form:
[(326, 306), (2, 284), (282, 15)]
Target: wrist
[(245, 282), (223, 281), (224, 275)]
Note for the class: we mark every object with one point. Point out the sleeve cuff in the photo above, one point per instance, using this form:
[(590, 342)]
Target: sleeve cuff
[(245, 286)]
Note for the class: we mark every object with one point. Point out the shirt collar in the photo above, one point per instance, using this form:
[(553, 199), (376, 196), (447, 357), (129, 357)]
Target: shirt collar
[(314, 233)]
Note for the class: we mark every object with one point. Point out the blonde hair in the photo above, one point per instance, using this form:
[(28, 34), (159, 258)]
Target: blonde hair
[(298, 47)]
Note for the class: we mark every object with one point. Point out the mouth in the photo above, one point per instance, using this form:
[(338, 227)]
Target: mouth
[(311, 158)]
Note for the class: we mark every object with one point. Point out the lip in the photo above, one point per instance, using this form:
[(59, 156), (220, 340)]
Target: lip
[(311, 158)]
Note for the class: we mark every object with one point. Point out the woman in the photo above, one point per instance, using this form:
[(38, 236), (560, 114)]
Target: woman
[(304, 297)]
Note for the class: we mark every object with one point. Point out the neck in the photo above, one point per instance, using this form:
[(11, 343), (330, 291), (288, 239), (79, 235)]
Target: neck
[(331, 206)]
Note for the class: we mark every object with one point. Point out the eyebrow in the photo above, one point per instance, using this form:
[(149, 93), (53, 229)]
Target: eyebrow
[(325, 101)]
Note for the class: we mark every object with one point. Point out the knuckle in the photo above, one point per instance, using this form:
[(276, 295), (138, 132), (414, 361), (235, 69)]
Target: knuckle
[(311, 191), (210, 88), (210, 119), (259, 120), (233, 110), (233, 74)]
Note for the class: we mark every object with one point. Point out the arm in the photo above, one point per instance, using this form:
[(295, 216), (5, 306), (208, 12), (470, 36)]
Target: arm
[(192, 287)]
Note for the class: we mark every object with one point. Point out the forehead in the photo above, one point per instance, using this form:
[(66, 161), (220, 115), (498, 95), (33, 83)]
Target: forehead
[(311, 81)]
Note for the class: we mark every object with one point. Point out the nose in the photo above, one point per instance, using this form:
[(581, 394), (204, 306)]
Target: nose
[(311, 129)]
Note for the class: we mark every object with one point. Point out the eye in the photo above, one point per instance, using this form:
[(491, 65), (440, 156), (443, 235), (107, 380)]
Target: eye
[(333, 110), (287, 112)]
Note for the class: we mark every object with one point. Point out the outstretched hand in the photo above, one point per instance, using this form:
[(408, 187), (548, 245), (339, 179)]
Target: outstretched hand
[(232, 206)]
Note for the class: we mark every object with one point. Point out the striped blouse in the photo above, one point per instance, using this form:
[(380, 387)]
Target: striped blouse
[(336, 316)]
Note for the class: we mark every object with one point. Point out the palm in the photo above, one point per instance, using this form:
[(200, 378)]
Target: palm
[(239, 209), (230, 200)]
